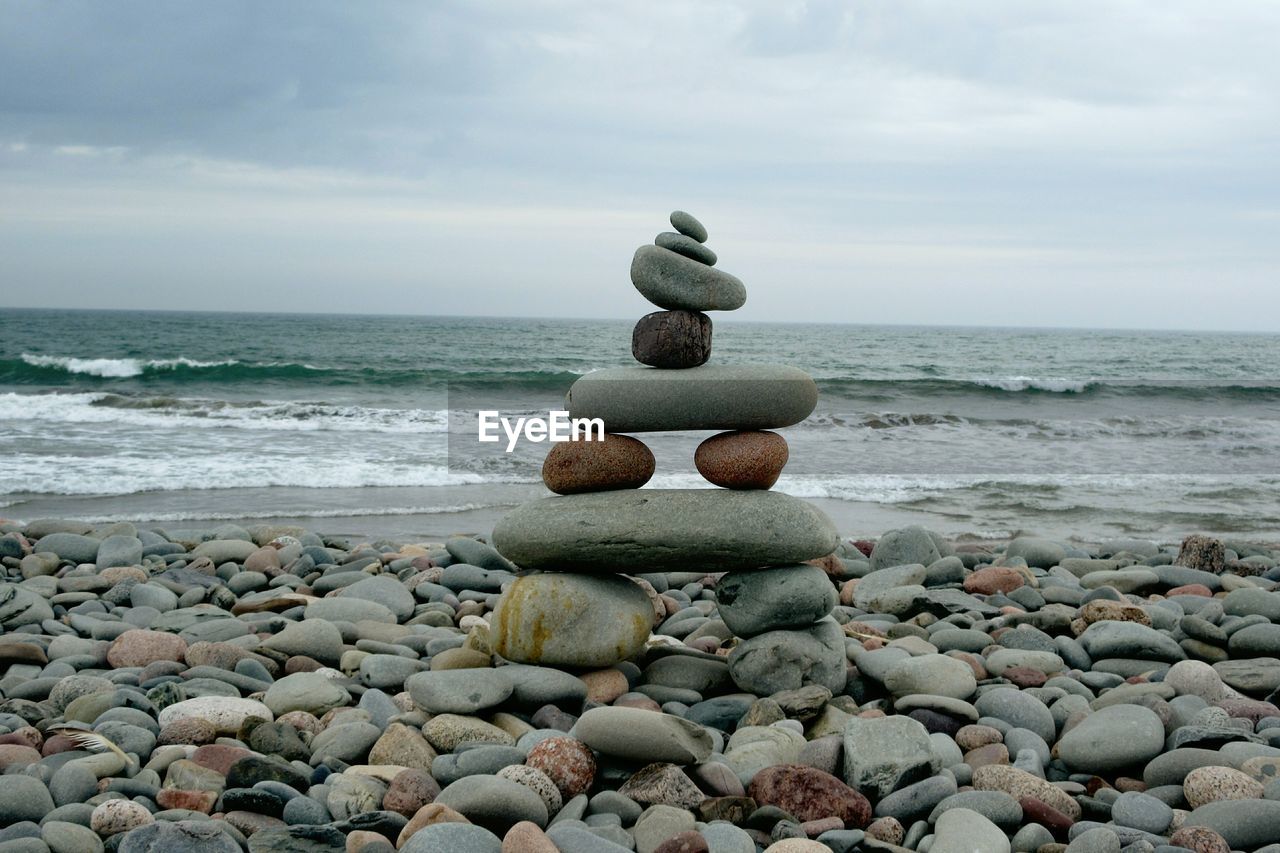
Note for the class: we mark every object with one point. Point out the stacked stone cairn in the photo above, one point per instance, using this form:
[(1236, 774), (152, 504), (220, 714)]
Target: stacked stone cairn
[(601, 527)]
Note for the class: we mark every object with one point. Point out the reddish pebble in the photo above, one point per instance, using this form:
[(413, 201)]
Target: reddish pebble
[(1025, 676), (17, 755), (808, 793), (994, 579), (568, 761), (178, 798), (617, 462), (1201, 839), (141, 647), (1040, 812), (750, 459), (1192, 589), (526, 837), (218, 756)]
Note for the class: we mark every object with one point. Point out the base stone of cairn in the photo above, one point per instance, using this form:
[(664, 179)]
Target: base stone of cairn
[(578, 608)]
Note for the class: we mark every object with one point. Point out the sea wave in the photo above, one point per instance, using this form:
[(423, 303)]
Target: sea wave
[(851, 388), (178, 413), (300, 512), (38, 369), (29, 474)]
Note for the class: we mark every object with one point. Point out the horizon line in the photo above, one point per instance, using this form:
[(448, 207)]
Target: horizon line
[(553, 318)]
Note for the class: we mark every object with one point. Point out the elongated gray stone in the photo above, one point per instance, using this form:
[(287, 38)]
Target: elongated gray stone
[(712, 397), (688, 225), (670, 280), (660, 530)]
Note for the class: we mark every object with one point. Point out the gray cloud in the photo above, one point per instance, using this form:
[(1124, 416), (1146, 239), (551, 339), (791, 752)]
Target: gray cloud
[(1072, 163)]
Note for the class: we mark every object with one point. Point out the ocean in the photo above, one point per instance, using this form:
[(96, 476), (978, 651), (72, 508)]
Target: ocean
[(342, 423)]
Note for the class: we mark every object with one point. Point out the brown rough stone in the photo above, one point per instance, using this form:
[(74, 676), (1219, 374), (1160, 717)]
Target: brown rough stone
[(1201, 839), (994, 579), (17, 755), (140, 647), (177, 798), (409, 791), (887, 829), (674, 340), (568, 761), (617, 462), (1105, 610), (1020, 783), (428, 815), (218, 756), (1211, 784), (403, 746), (188, 730), (1035, 810), (604, 685), (809, 794), (527, 837), (750, 459), (1202, 552)]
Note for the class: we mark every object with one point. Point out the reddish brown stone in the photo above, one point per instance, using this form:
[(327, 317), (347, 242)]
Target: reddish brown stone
[(568, 761), (141, 647), (742, 460), (17, 755), (674, 340), (1248, 709), (994, 579), (637, 700), (1201, 839), (689, 841), (410, 790), (1125, 784), (887, 829), (428, 815), (25, 736), (830, 564), (1192, 589), (218, 756), (526, 837), (809, 794), (1038, 811), (617, 462), (1025, 676), (992, 753), (177, 798)]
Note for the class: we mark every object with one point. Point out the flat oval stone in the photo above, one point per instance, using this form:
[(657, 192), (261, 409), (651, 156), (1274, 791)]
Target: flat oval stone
[(458, 691), (711, 397), (687, 246), (688, 225), (617, 462), (670, 280), (643, 736), (571, 620), (660, 530), (1112, 738), (742, 460), (675, 340)]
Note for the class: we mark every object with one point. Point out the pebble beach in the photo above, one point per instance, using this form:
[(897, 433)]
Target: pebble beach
[(271, 689)]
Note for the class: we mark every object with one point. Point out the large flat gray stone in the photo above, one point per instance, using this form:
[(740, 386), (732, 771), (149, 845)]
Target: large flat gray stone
[(660, 530), (710, 397), (672, 281)]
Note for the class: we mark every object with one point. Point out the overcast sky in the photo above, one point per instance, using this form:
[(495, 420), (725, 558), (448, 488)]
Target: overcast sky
[(1083, 163)]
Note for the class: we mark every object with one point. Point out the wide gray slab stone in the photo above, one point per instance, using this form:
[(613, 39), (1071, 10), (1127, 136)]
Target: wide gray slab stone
[(710, 397), (660, 530)]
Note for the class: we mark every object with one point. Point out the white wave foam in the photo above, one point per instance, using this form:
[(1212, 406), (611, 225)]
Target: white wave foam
[(90, 408), (1025, 383), (124, 475), (115, 368), (302, 512)]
